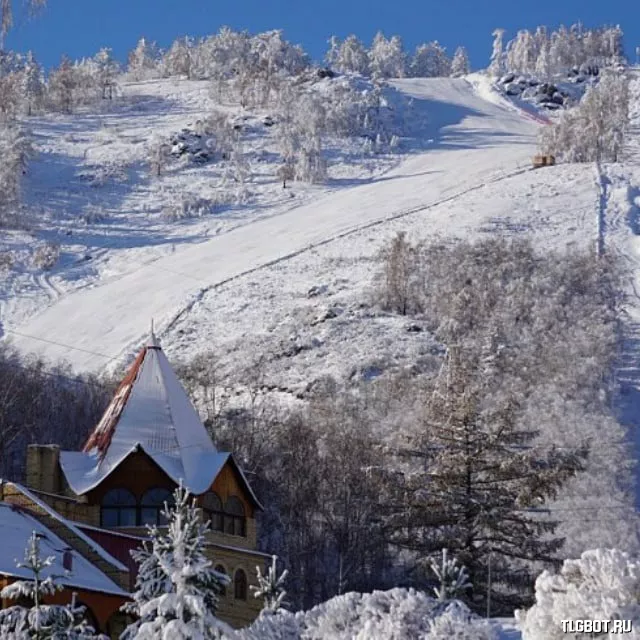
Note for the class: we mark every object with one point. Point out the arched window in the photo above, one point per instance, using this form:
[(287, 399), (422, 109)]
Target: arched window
[(212, 507), (234, 520), (240, 585), (152, 506), (118, 509), (220, 569)]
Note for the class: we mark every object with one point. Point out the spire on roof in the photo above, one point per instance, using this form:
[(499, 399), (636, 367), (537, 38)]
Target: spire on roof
[(153, 340)]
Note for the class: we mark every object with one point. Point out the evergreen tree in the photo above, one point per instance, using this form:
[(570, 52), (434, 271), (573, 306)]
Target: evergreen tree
[(177, 590), (41, 622), (271, 587), (453, 580), (460, 64), (473, 475)]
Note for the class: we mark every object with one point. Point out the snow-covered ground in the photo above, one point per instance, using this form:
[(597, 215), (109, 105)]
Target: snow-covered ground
[(143, 272)]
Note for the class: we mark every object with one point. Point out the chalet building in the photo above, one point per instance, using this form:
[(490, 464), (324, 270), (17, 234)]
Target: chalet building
[(91, 506)]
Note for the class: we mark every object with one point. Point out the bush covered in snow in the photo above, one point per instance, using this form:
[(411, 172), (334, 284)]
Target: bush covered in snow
[(398, 614), (596, 128), (603, 584)]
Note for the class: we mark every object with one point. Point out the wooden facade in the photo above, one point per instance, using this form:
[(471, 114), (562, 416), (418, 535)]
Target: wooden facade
[(138, 473), (104, 519)]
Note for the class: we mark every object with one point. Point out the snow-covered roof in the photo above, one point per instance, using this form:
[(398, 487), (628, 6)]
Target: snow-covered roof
[(16, 525), (72, 526), (150, 411)]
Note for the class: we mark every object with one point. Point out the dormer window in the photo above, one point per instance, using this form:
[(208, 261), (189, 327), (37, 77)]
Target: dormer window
[(234, 518), (118, 509), (212, 507), (152, 506)]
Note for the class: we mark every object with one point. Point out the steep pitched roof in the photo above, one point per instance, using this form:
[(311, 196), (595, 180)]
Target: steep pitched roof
[(17, 524), (150, 411)]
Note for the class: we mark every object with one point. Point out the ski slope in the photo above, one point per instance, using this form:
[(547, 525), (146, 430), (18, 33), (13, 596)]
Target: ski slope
[(473, 142)]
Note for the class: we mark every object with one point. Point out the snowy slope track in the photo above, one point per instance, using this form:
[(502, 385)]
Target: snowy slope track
[(475, 142)]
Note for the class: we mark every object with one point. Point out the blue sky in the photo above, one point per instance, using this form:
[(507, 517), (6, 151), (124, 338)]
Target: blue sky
[(80, 27)]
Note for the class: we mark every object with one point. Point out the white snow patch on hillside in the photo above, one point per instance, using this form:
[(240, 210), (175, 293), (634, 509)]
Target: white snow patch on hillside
[(474, 143)]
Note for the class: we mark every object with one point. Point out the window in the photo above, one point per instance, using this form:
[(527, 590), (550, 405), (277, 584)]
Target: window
[(152, 506), (220, 569), (118, 509), (240, 585), (212, 506), (234, 520)]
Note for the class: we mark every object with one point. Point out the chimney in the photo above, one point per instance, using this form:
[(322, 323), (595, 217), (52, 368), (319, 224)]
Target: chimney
[(67, 560), (43, 467)]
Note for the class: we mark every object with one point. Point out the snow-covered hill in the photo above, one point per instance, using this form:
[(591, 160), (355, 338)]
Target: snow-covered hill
[(138, 275)]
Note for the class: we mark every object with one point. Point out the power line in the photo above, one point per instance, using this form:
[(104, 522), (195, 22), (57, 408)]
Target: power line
[(60, 344)]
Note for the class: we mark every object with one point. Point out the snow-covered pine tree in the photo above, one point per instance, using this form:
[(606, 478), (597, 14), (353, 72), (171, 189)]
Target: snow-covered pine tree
[(271, 587), (177, 590), (453, 580), (460, 64), (41, 621), (496, 66)]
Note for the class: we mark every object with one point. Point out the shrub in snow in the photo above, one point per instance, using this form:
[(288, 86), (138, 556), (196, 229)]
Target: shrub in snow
[(603, 584), (40, 621), (46, 256), (177, 590), (271, 587), (595, 130), (398, 614)]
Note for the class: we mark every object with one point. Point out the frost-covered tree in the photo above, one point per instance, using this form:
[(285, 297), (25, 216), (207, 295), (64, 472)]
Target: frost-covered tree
[(430, 61), (143, 60), (177, 60), (596, 128), (522, 53), (603, 584), (33, 86), (271, 587), (15, 151), (460, 64), (386, 57), (177, 589), (6, 15), (41, 621), (496, 65), (333, 52), (453, 580), (474, 472), (352, 57), (106, 71), (158, 155), (61, 86)]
